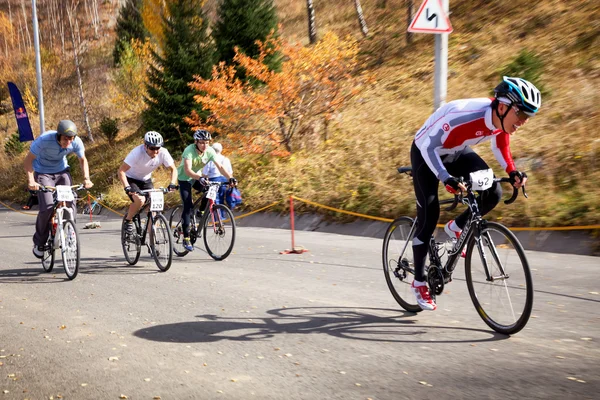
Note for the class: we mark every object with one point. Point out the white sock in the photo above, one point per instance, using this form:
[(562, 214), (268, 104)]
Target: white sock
[(418, 283), (453, 227)]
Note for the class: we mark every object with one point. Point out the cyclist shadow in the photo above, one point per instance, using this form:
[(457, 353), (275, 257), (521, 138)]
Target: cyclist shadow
[(368, 324), (116, 266)]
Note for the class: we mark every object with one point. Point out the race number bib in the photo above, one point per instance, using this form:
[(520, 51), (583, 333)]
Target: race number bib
[(157, 201), (64, 193), (482, 180), (212, 192)]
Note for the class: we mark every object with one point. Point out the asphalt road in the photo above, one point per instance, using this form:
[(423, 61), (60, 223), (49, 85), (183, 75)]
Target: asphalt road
[(318, 325)]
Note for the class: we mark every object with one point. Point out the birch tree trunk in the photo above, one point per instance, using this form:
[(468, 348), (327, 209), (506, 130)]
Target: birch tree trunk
[(25, 19), (74, 27), (312, 24), (361, 19)]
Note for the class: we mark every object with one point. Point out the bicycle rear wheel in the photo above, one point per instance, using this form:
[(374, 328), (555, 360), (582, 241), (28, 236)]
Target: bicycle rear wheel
[(176, 225), (131, 244), (161, 243), (219, 232), (70, 251), (505, 298), (97, 209), (398, 262)]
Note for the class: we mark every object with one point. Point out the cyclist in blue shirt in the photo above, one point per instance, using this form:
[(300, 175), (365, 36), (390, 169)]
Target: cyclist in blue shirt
[(46, 164)]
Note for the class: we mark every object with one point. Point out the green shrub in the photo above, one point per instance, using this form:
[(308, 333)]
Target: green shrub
[(109, 128), (13, 146), (529, 66)]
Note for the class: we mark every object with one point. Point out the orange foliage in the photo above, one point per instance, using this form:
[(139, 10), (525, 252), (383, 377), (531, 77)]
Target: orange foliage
[(152, 12), (314, 83)]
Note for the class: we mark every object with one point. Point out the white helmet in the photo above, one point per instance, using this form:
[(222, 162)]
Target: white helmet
[(153, 139)]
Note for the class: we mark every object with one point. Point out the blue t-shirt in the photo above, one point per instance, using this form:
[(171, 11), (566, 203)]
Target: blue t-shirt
[(50, 158)]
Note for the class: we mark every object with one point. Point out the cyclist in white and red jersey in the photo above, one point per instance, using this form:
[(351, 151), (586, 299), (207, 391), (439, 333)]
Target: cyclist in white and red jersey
[(441, 152)]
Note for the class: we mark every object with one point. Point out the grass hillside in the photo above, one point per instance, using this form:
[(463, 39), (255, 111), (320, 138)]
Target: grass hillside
[(355, 168)]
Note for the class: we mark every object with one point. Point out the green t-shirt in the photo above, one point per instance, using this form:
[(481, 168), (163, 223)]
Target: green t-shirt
[(198, 160)]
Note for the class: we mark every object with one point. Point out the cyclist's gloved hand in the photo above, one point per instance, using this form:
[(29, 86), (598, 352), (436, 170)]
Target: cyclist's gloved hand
[(203, 181), (452, 185), (517, 178), (233, 181), (128, 189), (172, 187)]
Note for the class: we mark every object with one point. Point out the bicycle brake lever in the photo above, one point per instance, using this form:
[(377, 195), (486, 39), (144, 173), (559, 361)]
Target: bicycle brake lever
[(524, 192)]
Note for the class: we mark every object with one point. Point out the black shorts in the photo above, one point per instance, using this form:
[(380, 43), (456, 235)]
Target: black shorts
[(136, 184)]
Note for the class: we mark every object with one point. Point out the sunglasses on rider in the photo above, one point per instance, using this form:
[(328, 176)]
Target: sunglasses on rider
[(153, 148), (522, 115)]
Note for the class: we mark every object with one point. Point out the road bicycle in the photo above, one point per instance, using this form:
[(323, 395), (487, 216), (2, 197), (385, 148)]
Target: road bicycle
[(496, 268), (215, 223), (94, 207), (152, 232), (63, 233)]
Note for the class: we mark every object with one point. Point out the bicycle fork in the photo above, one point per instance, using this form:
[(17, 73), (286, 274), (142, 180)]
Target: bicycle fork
[(483, 240)]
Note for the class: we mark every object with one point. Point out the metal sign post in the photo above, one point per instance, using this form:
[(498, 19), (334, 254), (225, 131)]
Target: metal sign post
[(432, 17), (38, 64)]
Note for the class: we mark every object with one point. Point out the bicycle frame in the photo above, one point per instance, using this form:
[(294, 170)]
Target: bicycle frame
[(474, 227), (208, 210)]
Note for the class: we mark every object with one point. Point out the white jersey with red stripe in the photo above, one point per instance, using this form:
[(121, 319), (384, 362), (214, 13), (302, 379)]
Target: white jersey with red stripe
[(457, 125)]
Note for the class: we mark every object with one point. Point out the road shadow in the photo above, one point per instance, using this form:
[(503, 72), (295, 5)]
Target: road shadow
[(369, 324), (34, 274)]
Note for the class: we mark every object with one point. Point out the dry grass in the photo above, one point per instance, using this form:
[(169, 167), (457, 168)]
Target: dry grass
[(355, 169)]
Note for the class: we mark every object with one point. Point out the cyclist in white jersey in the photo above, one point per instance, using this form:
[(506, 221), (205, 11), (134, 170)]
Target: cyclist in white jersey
[(441, 152), (136, 172)]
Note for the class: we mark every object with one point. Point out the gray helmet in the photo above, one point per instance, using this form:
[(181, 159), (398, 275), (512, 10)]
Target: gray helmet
[(201, 134), (153, 139), (66, 128)]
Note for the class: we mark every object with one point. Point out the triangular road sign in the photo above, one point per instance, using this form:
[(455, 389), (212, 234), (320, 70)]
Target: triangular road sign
[(431, 18)]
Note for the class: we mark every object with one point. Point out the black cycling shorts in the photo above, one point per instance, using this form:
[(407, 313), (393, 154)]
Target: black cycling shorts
[(136, 185)]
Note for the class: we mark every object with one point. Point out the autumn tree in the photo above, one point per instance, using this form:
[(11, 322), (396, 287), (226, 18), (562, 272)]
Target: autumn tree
[(241, 23), (314, 83), (129, 26), (188, 51), (153, 13), (131, 76)]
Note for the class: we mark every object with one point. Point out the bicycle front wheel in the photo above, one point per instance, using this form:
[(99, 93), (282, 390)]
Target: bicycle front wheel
[(70, 249), (219, 232), (498, 278), (48, 257), (398, 262), (161, 243), (176, 225), (131, 244)]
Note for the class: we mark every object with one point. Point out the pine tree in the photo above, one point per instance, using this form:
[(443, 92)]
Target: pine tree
[(129, 26), (241, 23), (188, 51)]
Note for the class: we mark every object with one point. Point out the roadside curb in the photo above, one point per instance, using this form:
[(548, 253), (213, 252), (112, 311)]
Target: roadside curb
[(580, 242)]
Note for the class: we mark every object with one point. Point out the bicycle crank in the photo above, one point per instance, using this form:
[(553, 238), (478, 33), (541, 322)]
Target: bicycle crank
[(435, 279)]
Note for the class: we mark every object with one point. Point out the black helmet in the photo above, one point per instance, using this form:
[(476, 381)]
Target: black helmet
[(201, 134), (66, 128)]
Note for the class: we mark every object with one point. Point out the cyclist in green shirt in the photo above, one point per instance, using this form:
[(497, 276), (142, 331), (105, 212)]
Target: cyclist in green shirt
[(194, 157)]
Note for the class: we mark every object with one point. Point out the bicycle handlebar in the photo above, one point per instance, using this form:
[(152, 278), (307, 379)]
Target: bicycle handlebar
[(458, 198), (47, 189), (162, 189)]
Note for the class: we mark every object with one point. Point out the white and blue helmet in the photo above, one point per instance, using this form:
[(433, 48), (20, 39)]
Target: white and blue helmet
[(521, 93)]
